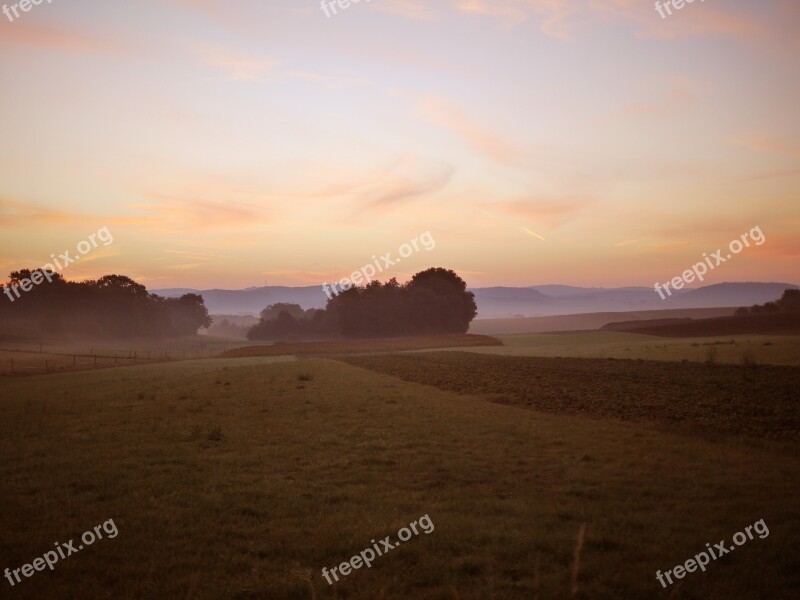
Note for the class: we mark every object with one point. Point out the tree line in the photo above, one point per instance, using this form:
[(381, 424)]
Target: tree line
[(434, 301), (113, 306)]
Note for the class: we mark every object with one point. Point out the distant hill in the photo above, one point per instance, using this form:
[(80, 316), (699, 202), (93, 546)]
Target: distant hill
[(589, 321), (732, 294), (252, 301), (504, 302)]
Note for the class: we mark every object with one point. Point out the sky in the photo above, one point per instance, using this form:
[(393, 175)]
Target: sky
[(229, 144)]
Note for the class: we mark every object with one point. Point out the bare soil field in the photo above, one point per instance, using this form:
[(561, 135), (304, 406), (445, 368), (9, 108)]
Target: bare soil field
[(757, 402)]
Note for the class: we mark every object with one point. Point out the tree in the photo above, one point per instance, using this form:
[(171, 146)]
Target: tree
[(441, 301), (788, 302), (114, 306), (188, 314), (273, 310)]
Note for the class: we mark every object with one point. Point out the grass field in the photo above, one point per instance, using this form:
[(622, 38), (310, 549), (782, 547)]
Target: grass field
[(242, 478), (33, 357), (361, 346), (763, 349)]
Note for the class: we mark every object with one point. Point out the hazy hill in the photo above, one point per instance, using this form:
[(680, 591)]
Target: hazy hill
[(505, 302), (588, 321), (732, 294), (252, 301)]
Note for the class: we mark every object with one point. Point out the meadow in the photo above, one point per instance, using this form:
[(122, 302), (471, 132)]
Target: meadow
[(244, 477), (47, 355), (760, 349)]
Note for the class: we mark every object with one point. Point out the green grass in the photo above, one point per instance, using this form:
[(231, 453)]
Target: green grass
[(242, 478), (765, 349), (33, 357)]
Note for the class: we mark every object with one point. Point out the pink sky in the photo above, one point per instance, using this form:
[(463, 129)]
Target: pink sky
[(229, 144)]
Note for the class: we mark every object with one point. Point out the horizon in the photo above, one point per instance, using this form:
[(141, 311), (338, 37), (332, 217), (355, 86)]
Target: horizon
[(521, 287)]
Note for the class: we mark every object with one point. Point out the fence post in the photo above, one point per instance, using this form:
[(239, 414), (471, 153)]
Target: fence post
[(74, 361), (95, 360)]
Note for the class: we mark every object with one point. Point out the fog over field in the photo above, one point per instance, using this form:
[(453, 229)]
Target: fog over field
[(399, 299)]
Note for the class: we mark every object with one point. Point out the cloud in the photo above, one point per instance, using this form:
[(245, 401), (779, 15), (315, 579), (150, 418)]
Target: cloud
[(239, 65), (780, 246), (532, 234), (329, 81), (549, 213), (408, 9), (771, 175), (445, 114), (786, 146), (404, 181), (187, 211), (25, 215), (668, 246), (563, 19), (672, 102), (626, 243), (51, 38)]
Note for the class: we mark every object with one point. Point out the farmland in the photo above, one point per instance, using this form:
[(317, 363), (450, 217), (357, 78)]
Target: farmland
[(760, 349), (243, 477), (759, 402), (360, 346)]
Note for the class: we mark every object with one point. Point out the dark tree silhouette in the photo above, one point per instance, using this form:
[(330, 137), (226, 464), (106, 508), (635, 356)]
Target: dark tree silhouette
[(273, 310), (113, 306), (788, 302), (434, 301)]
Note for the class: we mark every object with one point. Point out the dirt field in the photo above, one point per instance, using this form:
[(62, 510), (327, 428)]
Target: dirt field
[(759, 402)]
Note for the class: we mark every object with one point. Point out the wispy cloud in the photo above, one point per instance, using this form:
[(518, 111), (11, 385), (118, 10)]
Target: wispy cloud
[(25, 215), (409, 9), (785, 146), (52, 38), (547, 212), (441, 112), (182, 211), (626, 243), (406, 180), (237, 64), (532, 234)]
